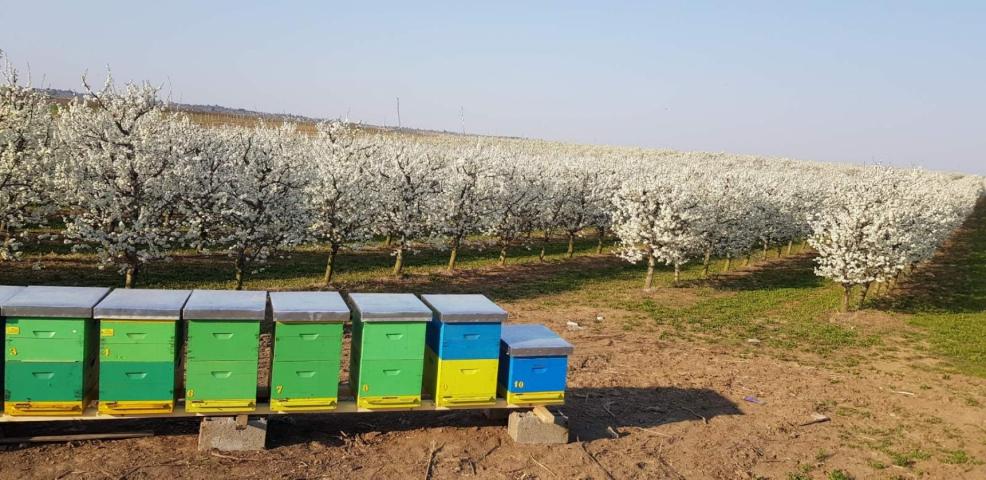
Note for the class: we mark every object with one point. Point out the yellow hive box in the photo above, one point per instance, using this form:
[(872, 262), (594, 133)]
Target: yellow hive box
[(304, 404), (136, 407), (460, 383), (532, 399), (401, 402), (221, 406), (44, 409)]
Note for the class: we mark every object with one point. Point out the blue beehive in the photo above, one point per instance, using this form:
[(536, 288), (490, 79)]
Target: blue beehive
[(533, 365), (463, 346), (464, 327)]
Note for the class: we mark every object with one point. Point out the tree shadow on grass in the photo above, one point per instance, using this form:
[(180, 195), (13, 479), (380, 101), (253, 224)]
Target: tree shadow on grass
[(796, 271), (303, 269), (512, 282), (953, 281)]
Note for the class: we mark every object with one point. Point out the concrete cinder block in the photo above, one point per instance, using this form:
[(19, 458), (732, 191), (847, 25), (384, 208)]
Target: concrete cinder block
[(529, 427), (231, 434)]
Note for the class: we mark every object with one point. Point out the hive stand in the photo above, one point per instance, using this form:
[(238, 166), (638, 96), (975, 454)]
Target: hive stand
[(233, 434), (538, 426)]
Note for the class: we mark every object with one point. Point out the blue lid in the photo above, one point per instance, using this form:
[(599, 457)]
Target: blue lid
[(465, 308), (142, 304), (226, 305), (324, 307), (54, 302), (533, 340), (7, 292), (389, 307)]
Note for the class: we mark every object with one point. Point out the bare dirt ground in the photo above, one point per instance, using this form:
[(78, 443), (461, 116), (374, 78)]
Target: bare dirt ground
[(680, 410), (646, 400)]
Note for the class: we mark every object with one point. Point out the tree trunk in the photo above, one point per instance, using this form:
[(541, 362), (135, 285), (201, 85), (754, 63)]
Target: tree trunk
[(790, 244), (677, 273), (571, 245), (131, 275), (602, 238), (705, 262), (503, 255), (779, 251), (240, 265), (846, 292), (544, 246), (399, 262), (729, 261), (330, 264), (866, 291), (453, 254), (764, 249), (749, 256), (388, 241), (649, 281)]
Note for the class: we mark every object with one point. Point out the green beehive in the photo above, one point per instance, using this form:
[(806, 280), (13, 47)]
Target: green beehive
[(307, 350), (138, 338), (388, 348), (222, 348), (6, 292), (50, 350)]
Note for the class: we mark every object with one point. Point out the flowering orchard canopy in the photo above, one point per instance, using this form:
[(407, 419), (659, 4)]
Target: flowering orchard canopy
[(136, 180)]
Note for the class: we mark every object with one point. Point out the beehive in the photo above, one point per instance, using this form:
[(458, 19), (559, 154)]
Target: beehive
[(307, 350), (138, 339), (50, 350), (533, 365), (387, 349), (223, 330), (462, 353), (6, 292)]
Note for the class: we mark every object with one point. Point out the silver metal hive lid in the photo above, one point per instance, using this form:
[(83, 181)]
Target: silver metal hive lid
[(467, 308), (6, 292), (142, 304), (533, 340), (58, 302), (226, 305), (389, 307), (324, 307)]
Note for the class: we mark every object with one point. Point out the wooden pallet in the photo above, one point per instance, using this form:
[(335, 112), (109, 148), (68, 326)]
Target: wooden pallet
[(263, 409)]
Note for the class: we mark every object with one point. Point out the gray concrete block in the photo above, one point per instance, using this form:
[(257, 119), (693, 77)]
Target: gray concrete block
[(529, 427), (231, 434)]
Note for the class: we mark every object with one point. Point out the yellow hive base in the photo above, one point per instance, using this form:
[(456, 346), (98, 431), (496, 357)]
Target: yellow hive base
[(221, 406), (304, 404), (460, 383), (43, 409), (389, 403), (532, 399), (142, 407), (466, 402)]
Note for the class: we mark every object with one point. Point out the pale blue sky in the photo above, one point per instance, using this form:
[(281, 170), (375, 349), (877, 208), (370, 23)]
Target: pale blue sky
[(889, 82)]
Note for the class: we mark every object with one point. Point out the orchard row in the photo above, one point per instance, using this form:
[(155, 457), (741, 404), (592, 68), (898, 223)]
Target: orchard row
[(134, 181)]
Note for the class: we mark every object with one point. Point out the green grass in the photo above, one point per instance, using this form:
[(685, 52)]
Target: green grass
[(907, 459), (779, 304), (840, 475), (956, 457), (947, 298)]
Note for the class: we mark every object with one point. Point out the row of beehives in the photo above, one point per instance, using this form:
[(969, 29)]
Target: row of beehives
[(67, 346)]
